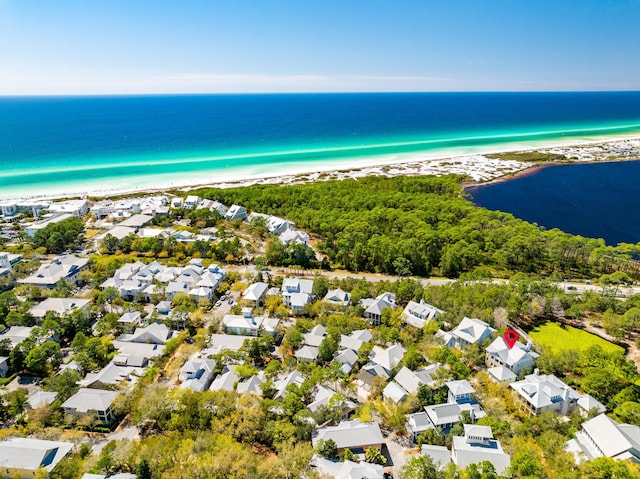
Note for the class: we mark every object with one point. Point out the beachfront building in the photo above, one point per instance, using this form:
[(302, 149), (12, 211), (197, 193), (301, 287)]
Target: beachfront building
[(76, 208), (418, 314), (67, 267), (236, 212)]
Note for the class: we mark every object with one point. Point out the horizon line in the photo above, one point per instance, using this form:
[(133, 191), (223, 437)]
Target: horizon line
[(346, 92)]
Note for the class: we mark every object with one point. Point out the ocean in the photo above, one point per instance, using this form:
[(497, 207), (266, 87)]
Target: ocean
[(76, 145), (598, 200)]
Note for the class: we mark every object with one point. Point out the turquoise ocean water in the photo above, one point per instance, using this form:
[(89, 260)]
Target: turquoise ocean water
[(71, 145)]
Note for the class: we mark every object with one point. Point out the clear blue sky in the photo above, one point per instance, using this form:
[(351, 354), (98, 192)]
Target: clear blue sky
[(155, 46)]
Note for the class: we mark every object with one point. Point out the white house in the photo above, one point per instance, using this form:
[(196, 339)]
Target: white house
[(418, 314), (470, 331), (66, 267), (355, 435), (337, 296), (60, 306), (290, 236), (545, 393), (604, 437), (197, 374), (236, 212), (22, 457), (388, 358), (248, 325), (255, 293), (296, 293), (373, 307), (515, 358), (86, 401), (478, 445)]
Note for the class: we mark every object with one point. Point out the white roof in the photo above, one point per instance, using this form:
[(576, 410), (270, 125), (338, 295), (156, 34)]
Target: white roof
[(387, 358), (408, 380), (231, 342), (86, 400), (347, 469), (337, 296), (226, 382), (542, 391), (57, 305), (501, 373), (297, 285), (466, 453), (438, 454), (60, 267), (41, 399), (351, 434), (460, 387), (472, 330), (255, 291), (395, 392), (30, 454), (307, 353), (509, 356), (417, 314), (136, 221), (611, 438)]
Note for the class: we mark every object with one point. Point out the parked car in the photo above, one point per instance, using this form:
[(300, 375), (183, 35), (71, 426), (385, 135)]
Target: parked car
[(218, 304)]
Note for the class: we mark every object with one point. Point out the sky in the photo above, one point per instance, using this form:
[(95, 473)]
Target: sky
[(223, 46)]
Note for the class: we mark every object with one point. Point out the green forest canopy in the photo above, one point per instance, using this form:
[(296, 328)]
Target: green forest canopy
[(424, 225)]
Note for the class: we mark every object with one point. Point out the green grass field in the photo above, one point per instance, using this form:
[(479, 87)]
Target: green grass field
[(553, 337)]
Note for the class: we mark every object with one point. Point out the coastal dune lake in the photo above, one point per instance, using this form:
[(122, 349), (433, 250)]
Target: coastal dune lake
[(87, 145), (599, 200)]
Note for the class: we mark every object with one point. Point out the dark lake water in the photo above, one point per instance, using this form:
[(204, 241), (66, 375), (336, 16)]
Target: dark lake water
[(599, 200)]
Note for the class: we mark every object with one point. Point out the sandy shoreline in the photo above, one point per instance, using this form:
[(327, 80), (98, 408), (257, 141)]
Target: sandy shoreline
[(479, 167)]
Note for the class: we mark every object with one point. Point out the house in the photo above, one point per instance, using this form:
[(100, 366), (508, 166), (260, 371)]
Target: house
[(225, 382), (501, 374), (347, 357), (136, 221), (22, 457), (365, 378), (66, 267), (586, 404), (87, 401), (307, 354), (277, 226), (321, 398), (346, 469), (417, 423), (248, 325), (197, 374), (118, 371), (604, 437), (411, 381), (129, 320), (388, 358), (200, 294), (443, 416), (470, 331), (255, 293), (60, 306), (16, 335), (41, 399), (355, 340), (236, 212), (315, 336), (36, 226), (460, 391), (77, 208), (418, 314), (219, 207), (292, 236), (515, 358), (355, 435), (297, 293), (224, 342), (545, 393), (155, 333), (281, 384), (440, 455), (394, 392), (252, 385), (191, 202), (337, 296), (478, 445), (373, 307)]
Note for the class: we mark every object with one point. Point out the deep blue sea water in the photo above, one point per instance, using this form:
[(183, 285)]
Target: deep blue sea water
[(598, 200)]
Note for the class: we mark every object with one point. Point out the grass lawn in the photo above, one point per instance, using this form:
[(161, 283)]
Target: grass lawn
[(556, 338)]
